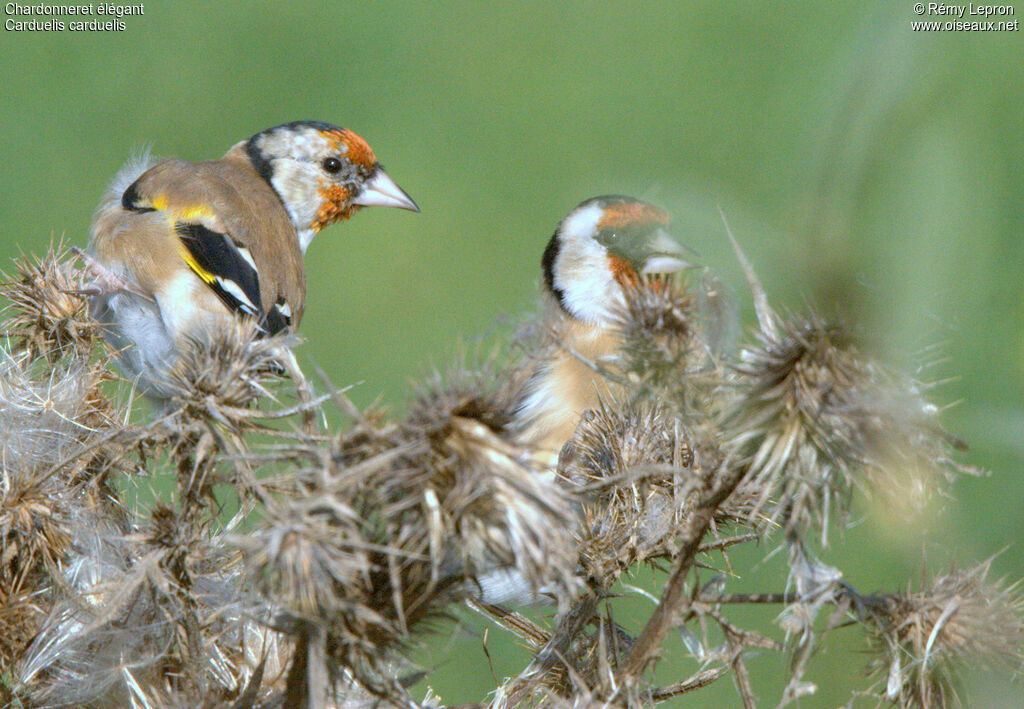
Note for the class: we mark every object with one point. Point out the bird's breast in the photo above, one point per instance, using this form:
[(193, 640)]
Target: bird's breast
[(568, 384)]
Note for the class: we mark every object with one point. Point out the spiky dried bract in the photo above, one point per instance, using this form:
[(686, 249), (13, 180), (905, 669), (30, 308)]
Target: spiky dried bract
[(312, 557), (491, 498), (221, 375), (816, 420), (629, 462), (674, 332), (924, 639), (489, 390), (395, 524), (53, 473), (637, 469), (45, 312), (126, 630)]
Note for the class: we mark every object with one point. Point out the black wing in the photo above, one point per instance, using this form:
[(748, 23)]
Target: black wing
[(223, 265)]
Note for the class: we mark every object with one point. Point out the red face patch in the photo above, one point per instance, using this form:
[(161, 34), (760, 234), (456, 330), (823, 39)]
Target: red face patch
[(333, 206), (358, 151), (625, 214), (622, 270)]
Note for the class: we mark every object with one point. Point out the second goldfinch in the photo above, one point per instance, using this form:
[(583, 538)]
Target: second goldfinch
[(597, 250), (181, 248)]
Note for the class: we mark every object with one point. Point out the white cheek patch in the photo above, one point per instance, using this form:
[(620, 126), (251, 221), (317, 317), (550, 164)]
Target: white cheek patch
[(583, 222), (297, 184), (581, 273)]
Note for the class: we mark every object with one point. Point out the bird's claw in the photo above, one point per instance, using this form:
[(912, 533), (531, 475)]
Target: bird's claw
[(103, 280)]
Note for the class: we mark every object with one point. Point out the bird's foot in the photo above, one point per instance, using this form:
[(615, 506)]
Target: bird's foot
[(104, 281)]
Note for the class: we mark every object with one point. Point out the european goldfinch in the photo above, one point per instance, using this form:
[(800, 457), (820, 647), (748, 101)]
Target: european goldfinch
[(600, 246), (180, 248)]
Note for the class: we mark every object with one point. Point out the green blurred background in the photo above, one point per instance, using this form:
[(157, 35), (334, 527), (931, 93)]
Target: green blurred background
[(870, 170)]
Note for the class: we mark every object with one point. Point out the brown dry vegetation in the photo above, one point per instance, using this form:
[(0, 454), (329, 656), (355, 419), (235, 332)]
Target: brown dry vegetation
[(292, 566)]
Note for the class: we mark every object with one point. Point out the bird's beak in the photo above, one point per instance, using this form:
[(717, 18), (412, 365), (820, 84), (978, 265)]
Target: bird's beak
[(665, 255), (381, 191)]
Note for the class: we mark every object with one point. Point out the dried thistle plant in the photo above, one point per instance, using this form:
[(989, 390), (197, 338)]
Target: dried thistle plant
[(347, 548), (55, 473), (816, 420), (85, 575), (637, 471), (923, 639), (803, 420), (124, 631), (46, 312), (397, 523), (675, 333)]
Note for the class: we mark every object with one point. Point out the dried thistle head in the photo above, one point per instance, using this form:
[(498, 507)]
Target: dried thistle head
[(145, 615), (636, 470), (311, 556), (674, 331), (657, 320), (485, 388), (815, 420), (221, 375), (959, 620), (501, 512), (490, 496), (207, 399), (614, 439), (350, 576), (45, 311), (90, 642), (52, 470), (47, 409)]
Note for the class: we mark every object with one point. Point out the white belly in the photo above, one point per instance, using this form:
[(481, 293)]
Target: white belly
[(138, 333)]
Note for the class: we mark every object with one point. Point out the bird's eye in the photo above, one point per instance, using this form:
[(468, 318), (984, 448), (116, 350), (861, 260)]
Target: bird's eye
[(332, 165)]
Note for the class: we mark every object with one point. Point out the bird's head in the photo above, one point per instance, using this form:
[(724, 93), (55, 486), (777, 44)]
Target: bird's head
[(322, 174), (602, 245)]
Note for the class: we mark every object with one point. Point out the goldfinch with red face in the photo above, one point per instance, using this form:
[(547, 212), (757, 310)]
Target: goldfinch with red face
[(597, 249), (180, 248)]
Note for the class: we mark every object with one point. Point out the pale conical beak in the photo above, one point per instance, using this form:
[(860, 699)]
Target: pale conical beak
[(665, 255), (381, 191)]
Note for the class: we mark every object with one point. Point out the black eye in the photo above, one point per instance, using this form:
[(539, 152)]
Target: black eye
[(332, 165)]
